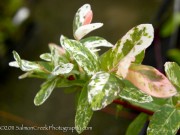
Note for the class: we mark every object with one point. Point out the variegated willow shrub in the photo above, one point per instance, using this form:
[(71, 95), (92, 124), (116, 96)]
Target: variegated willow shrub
[(116, 74)]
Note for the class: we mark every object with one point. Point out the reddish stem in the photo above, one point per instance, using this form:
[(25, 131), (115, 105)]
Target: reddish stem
[(128, 105)]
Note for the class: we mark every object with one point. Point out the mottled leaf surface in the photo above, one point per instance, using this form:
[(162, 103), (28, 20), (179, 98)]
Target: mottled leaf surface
[(57, 55), (172, 70), (165, 121), (93, 42), (103, 88), (85, 29), (139, 58), (45, 91), (133, 94), (23, 64), (82, 20), (63, 69), (150, 81), (80, 16), (138, 123), (128, 47), (46, 56), (83, 112), (81, 54)]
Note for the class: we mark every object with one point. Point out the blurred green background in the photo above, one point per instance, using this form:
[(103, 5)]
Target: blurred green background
[(46, 20)]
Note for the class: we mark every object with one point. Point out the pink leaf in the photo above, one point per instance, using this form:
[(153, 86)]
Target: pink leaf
[(150, 81), (88, 17)]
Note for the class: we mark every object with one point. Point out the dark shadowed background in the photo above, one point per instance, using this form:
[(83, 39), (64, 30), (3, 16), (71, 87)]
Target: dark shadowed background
[(47, 21)]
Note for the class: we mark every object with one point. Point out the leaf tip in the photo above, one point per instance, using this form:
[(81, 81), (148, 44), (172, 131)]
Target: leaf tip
[(36, 101)]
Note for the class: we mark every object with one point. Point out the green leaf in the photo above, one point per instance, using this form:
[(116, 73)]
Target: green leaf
[(150, 81), (46, 56), (47, 67), (82, 20), (133, 94), (103, 88), (136, 126), (45, 91), (172, 70), (44, 71), (23, 64), (173, 54), (34, 74), (152, 106), (69, 83), (63, 69), (165, 121), (25, 75), (84, 111), (81, 54), (132, 44), (170, 25), (139, 58), (93, 42)]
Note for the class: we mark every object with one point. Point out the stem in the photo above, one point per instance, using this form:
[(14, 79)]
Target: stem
[(128, 105)]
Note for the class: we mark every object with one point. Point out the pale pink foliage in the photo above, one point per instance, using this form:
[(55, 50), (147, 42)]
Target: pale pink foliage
[(150, 81), (88, 17)]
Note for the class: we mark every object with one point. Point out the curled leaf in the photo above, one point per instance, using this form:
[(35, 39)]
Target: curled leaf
[(82, 17), (85, 29), (150, 81), (82, 20)]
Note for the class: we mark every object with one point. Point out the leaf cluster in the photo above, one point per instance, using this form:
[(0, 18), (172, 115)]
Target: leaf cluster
[(116, 74)]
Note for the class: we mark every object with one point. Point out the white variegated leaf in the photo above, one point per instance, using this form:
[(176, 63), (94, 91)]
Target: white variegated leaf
[(82, 17), (173, 73), (165, 121), (57, 54), (128, 48), (24, 64), (14, 64), (103, 88), (63, 69), (133, 94), (93, 42), (45, 91), (85, 29), (81, 54), (83, 112), (140, 43)]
